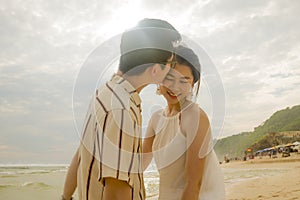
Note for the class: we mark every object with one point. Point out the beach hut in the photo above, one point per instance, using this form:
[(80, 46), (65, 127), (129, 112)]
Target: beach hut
[(279, 146), (288, 145), (259, 153), (266, 149), (296, 143), (296, 146)]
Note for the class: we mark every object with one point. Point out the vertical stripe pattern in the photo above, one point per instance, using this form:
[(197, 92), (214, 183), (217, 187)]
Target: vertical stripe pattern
[(111, 141)]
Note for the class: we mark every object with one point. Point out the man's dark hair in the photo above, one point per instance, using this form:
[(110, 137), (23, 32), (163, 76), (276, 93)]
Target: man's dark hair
[(150, 41)]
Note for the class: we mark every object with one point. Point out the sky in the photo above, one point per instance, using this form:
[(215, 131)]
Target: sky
[(254, 46)]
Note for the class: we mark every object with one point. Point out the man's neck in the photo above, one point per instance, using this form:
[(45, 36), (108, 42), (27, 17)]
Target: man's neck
[(137, 81)]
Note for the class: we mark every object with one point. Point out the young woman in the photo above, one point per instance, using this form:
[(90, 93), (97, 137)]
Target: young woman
[(179, 138)]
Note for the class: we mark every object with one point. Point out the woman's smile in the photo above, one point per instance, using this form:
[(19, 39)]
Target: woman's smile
[(172, 95)]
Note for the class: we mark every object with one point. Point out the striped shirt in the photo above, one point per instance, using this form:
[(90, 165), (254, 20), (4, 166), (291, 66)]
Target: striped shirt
[(111, 141)]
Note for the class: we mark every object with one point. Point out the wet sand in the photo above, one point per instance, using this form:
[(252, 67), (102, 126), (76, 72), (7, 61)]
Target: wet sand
[(282, 186), (33, 186), (258, 179)]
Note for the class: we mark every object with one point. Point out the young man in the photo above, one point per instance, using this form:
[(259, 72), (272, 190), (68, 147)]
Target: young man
[(107, 165)]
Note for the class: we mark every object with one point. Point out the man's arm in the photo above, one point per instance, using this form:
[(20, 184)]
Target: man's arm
[(71, 178)]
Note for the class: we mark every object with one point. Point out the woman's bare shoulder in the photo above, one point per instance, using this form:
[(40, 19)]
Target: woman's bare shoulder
[(191, 110), (193, 116), (155, 116)]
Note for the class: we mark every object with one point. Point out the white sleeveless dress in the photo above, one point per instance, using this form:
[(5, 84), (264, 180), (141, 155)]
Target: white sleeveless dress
[(169, 152)]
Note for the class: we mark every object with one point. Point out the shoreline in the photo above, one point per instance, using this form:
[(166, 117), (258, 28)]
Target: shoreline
[(284, 184), (295, 157), (265, 178)]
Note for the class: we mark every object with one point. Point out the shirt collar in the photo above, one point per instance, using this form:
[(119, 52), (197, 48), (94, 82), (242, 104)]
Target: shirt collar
[(128, 88)]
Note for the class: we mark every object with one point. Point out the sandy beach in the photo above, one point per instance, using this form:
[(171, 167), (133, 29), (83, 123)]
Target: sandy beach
[(278, 186), (266, 178)]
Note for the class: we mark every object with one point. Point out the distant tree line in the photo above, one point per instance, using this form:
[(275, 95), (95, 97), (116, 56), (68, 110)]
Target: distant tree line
[(280, 128)]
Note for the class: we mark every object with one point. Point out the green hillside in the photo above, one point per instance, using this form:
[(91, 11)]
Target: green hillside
[(284, 120), (276, 138)]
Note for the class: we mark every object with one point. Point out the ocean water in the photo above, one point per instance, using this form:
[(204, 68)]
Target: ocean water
[(46, 181), (31, 181)]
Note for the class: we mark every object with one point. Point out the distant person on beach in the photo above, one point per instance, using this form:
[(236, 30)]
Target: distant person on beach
[(107, 164), (179, 138)]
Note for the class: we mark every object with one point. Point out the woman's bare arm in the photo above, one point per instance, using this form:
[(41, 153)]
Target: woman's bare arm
[(194, 164), (71, 177)]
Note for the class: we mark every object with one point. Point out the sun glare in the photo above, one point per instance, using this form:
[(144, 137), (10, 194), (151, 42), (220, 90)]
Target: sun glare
[(125, 16)]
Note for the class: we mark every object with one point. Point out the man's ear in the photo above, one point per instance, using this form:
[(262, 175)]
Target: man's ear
[(155, 69)]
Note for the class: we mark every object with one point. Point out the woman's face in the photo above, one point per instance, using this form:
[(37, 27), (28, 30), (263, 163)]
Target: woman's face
[(177, 84)]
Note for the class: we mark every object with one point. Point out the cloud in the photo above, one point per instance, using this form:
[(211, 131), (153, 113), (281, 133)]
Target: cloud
[(254, 45)]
